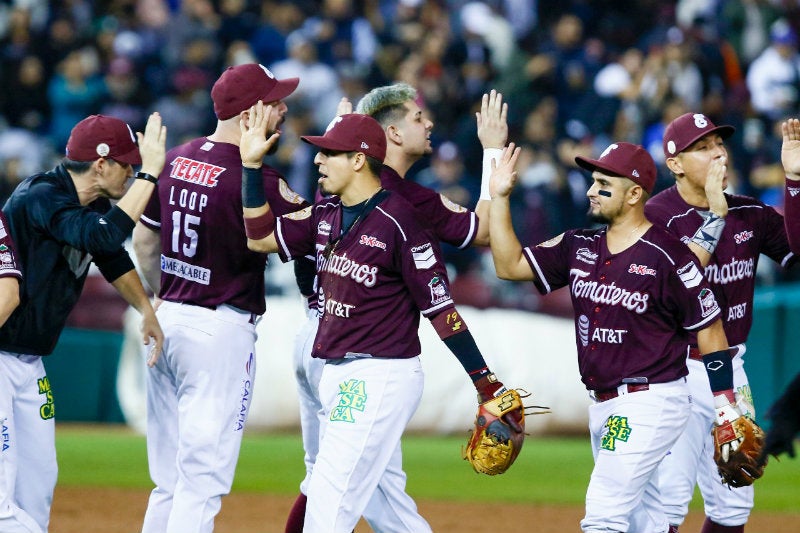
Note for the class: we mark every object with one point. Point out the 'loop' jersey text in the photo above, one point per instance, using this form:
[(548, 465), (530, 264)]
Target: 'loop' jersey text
[(205, 260)]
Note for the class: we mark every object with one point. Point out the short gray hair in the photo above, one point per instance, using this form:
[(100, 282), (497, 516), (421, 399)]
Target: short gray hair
[(385, 104)]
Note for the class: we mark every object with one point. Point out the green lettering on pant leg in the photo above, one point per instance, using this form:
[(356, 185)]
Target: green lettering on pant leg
[(352, 395), (47, 410), (618, 429)]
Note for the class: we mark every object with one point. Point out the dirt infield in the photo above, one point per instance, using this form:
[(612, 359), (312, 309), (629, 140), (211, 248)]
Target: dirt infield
[(82, 510)]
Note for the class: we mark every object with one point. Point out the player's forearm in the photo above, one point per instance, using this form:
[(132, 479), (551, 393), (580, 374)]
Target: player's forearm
[(130, 287), (713, 344), (506, 248), (135, 200), (712, 338), (702, 255), (259, 222), (147, 247), (9, 297), (482, 236)]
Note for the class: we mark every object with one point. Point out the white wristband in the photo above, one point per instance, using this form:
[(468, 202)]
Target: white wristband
[(708, 234), (489, 155)]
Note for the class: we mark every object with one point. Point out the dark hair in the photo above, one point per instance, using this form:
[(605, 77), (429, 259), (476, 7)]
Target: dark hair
[(78, 167)]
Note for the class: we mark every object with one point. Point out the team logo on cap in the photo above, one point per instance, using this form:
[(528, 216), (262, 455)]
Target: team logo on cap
[(103, 150), (364, 145), (671, 147), (333, 122), (608, 150), (700, 120)]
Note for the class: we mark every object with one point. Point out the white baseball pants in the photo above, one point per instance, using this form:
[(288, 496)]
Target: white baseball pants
[(630, 436), (198, 397), (28, 468)]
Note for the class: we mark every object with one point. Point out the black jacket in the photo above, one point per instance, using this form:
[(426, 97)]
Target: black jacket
[(56, 239)]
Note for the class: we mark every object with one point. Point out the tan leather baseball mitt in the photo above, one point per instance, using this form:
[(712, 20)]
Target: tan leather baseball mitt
[(738, 446), (499, 433)]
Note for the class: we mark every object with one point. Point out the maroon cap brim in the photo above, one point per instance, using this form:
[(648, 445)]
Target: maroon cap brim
[(281, 90), (593, 164), (326, 143), (723, 131)]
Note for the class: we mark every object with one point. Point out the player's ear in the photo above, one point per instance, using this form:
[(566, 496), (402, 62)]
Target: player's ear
[(358, 161), (674, 165), (393, 134)]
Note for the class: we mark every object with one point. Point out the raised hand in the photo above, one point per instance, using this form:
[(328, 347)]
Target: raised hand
[(345, 107), (492, 121), (717, 203), (254, 143), (504, 174), (153, 145), (790, 150)]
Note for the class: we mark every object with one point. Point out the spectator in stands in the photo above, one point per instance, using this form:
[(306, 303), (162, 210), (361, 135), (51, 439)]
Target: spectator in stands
[(774, 76)]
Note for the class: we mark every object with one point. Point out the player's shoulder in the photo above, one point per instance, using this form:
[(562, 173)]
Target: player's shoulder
[(397, 212), (46, 186), (741, 201), (664, 243), (664, 205), (189, 148)]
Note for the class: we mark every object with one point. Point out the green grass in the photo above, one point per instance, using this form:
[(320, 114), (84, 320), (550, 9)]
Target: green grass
[(549, 470)]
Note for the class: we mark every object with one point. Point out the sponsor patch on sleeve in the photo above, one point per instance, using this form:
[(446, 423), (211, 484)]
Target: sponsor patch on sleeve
[(424, 258), (690, 275)]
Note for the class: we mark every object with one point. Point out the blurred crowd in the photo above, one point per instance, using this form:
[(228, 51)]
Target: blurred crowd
[(576, 75)]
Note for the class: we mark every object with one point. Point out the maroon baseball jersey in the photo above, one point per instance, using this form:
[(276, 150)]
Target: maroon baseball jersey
[(634, 309), (449, 222), (8, 252), (376, 280), (198, 210), (751, 228)]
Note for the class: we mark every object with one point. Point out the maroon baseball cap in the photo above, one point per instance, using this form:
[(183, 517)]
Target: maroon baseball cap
[(687, 129), (352, 133), (625, 160), (102, 136), (242, 86)]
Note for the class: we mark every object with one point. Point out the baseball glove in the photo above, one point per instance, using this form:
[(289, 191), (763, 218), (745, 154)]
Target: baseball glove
[(738, 445), (499, 432)]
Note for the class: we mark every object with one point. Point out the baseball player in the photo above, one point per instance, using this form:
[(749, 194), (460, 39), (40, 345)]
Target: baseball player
[(407, 138), (728, 234), (192, 249), (637, 294), (62, 220), (377, 268)]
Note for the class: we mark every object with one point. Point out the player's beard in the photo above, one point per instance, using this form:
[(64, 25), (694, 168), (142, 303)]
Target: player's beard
[(602, 217)]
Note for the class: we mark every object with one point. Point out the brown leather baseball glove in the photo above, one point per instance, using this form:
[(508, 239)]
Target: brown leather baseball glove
[(499, 433), (738, 445)]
